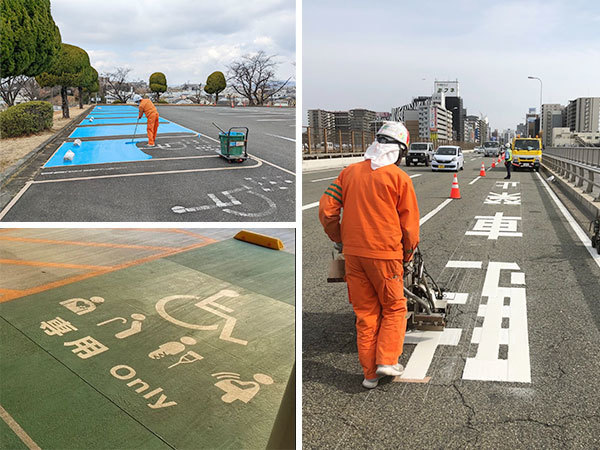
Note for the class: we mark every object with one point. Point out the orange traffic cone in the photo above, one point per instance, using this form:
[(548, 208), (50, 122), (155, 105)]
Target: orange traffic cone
[(482, 171), (493, 164), (455, 192)]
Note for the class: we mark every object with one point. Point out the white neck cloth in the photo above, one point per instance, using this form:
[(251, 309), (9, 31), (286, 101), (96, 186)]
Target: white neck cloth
[(382, 155)]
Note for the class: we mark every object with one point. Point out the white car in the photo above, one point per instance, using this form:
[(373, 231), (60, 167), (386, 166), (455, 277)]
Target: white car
[(448, 157)]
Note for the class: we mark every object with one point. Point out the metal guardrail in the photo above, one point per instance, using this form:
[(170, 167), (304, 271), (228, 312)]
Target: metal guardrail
[(584, 155), (322, 142), (576, 172)]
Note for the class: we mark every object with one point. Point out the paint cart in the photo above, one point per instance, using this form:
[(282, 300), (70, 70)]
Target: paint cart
[(234, 144)]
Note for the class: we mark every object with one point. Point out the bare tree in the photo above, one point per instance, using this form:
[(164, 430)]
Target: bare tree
[(254, 78), (10, 88), (31, 89), (197, 97), (117, 84)]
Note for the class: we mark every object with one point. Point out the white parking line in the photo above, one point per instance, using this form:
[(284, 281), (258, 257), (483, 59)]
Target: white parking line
[(15, 199), (474, 180), (583, 237), (257, 158), (281, 137), (20, 432)]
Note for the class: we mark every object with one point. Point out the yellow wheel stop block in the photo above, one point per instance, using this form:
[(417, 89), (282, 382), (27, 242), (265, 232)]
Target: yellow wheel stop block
[(259, 239)]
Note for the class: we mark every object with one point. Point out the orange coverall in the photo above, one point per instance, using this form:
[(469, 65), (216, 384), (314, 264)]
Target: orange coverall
[(148, 108), (379, 231)]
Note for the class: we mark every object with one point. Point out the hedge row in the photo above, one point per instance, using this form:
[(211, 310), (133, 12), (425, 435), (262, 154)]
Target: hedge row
[(26, 118)]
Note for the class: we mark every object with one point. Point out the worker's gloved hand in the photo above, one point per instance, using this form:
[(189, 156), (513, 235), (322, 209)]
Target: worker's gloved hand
[(408, 266), (338, 246)]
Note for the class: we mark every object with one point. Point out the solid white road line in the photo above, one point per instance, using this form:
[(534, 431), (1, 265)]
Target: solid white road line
[(310, 205), (464, 264), (424, 219), (333, 178), (434, 212), (15, 199), (20, 432), (583, 237), (474, 180), (281, 137), (323, 179)]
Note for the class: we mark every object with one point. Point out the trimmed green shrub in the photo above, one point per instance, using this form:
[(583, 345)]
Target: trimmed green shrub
[(26, 118), (160, 100)]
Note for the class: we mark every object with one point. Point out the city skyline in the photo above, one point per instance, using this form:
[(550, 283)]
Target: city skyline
[(490, 48)]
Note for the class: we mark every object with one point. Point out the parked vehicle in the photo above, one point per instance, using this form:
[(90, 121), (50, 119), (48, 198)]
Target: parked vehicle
[(478, 150), (448, 157), (491, 148), (527, 153), (419, 152)]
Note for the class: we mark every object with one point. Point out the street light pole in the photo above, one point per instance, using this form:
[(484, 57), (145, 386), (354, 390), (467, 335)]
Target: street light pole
[(536, 78)]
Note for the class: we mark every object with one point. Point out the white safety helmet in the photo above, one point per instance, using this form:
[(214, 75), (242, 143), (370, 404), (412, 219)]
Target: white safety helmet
[(397, 132), (137, 98), (507, 145)]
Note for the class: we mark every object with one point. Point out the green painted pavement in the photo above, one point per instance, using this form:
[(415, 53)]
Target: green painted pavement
[(56, 407), (236, 262), (227, 399)]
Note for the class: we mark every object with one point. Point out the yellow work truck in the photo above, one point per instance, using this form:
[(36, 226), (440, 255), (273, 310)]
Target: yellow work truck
[(527, 153)]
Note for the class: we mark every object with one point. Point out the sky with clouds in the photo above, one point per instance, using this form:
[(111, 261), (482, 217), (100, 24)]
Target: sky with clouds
[(379, 55), (187, 40)]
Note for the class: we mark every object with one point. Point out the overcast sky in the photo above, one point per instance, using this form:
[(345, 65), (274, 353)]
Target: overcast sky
[(379, 55), (187, 40)]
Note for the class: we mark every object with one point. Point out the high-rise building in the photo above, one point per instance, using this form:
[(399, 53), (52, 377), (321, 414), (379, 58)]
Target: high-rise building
[(583, 114), (360, 119), (341, 120), (320, 119), (548, 109), (455, 106)]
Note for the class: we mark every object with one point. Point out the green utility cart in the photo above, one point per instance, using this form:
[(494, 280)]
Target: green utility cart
[(234, 144)]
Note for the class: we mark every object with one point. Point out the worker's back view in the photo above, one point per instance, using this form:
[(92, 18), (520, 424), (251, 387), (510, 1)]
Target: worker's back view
[(378, 233)]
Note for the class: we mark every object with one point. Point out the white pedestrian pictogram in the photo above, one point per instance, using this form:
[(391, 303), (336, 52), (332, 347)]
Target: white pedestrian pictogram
[(504, 323), (503, 199), (507, 184), (210, 305), (57, 327), (495, 226), (136, 325), (235, 389), (82, 306), (86, 347), (171, 348), (188, 358)]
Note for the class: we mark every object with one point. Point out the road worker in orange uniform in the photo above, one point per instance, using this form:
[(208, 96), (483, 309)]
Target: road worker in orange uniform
[(148, 109), (378, 234)]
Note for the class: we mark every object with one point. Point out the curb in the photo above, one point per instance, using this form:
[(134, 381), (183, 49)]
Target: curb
[(12, 170)]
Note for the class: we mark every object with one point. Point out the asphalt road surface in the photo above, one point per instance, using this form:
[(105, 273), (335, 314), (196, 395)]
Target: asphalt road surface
[(518, 362), (182, 179)]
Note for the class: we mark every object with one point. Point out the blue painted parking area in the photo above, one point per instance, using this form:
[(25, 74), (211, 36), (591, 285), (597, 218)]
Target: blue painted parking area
[(117, 120), (98, 152), (120, 130), (111, 178)]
